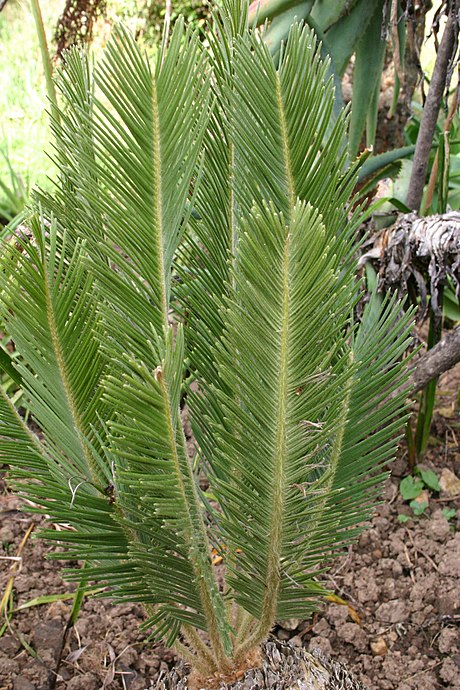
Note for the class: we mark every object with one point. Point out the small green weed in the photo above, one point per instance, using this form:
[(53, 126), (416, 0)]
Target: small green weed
[(412, 487), (449, 513)]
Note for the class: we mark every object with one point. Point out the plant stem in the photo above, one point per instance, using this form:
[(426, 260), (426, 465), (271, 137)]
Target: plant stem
[(244, 628), (425, 414), (187, 655), (46, 60), (434, 169), (193, 639), (211, 599), (431, 109)]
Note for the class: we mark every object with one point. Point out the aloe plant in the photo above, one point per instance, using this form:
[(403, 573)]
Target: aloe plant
[(200, 242), (346, 28)]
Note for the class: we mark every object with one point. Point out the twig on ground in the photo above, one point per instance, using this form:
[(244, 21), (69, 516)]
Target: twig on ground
[(425, 670)]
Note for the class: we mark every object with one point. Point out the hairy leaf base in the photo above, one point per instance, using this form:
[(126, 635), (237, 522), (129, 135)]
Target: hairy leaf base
[(216, 679), (281, 666)]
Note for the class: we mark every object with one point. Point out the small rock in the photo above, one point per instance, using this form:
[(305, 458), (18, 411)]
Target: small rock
[(322, 628), (449, 671), (449, 482), (438, 527), (448, 641), (354, 635), (21, 683), (390, 588), (87, 681), (296, 640), (395, 611), (6, 535), (449, 602), (283, 635), (58, 609), (397, 569), (367, 586), (379, 647), (337, 614), (150, 661), (321, 643), (48, 637), (8, 645), (291, 624), (450, 561), (423, 498), (129, 656), (386, 565)]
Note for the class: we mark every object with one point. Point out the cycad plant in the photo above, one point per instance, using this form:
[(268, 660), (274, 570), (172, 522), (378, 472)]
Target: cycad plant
[(199, 245)]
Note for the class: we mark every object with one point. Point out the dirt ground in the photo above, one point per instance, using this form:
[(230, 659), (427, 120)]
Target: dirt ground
[(399, 628)]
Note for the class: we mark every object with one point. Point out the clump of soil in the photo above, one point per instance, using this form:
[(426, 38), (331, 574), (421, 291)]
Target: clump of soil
[(401, 628), (398, 630)]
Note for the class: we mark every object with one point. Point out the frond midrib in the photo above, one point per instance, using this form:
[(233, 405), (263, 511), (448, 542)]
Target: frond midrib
[(327, 482), (277, 509), (286, 145), (157, 207), (64, 376), (196, 536)]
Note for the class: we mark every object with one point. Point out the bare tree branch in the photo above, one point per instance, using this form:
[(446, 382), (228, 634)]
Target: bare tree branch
[(444, 57), (441, 358)]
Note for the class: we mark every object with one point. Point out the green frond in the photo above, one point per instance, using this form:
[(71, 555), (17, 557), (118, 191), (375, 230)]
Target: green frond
[(74, 154), (270, 138), (352, 467), (128, 146), (285, 145), (281, 361), (17, 442), (148, 154), (158, 495), (50, 312), (378, 348)]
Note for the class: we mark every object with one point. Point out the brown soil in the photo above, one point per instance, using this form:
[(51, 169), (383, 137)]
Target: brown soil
[(400, 630)]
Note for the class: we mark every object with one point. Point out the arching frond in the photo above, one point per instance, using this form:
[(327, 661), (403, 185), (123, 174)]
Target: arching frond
[(137, 135), (50, 312), (290, 471), (270, 138), (285, 330), (157, 492)]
